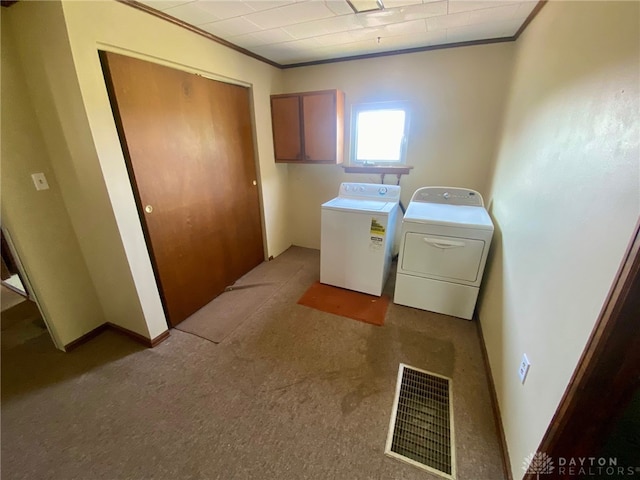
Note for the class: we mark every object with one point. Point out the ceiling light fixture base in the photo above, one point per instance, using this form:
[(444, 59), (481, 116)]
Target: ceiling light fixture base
[(363, 6)]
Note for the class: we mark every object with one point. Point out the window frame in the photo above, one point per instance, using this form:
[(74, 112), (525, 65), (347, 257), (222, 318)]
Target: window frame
[(370, 106)]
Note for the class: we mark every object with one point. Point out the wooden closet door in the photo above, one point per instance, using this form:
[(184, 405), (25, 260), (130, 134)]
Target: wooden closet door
[(188, 142)]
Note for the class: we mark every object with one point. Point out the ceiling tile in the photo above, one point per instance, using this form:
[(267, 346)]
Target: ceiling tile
[(404, 28), (403, 14), (365, 34), (264, 37), (260, 5), (231, 27), (277, 54), (284, 52), (335, 38), (324, 26), (342, 50), (399, 3), (368, 46), (290, 14), (501, 29), (356, 49), (413, 40), (456, 6), (505, 12), (425, 10), (415, 27), (526, 8), (268, 50), (304, 43), (164, 4), (362, 47), (325, 52), (226, 8), (448, 21), (275, 35), (194, 13)]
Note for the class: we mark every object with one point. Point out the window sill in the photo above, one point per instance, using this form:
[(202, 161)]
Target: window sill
[(380, 170)]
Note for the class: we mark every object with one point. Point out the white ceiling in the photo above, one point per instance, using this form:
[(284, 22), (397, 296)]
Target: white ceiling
[(294, 31)]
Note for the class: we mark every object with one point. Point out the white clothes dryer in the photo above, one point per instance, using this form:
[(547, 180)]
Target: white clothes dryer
[(445, 238), (357, 234)]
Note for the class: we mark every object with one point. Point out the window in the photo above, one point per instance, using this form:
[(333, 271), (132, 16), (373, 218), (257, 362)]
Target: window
[(379, 133)]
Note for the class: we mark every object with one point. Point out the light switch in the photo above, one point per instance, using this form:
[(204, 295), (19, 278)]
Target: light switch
[(40, 181)]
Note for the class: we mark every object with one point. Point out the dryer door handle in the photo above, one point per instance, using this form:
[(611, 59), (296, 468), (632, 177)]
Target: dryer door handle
[(441, 243)]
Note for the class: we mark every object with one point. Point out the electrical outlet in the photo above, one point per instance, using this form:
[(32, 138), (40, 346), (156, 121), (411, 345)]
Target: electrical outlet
[(524, 368)]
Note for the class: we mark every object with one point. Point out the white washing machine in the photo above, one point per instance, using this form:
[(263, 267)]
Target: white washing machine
[(445, 238), (358, 229)]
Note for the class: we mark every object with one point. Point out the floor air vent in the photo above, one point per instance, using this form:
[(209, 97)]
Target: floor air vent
[(421, 427)]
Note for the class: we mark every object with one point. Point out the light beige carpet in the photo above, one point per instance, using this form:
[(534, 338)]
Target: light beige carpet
[(26, 311), (292, 393), (220, 317), (9, 298)]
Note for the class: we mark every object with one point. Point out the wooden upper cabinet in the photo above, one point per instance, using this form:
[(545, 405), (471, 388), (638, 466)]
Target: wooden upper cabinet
[(285, 117), (308, 127)]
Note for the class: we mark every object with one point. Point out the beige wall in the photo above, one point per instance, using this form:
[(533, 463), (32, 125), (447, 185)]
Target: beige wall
[(38, 220), (457, 98), (43, 43), (565, 199), (59, 44)]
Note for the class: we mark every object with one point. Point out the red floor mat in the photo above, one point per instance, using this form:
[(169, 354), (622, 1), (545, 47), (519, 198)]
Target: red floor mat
[(346, 303)]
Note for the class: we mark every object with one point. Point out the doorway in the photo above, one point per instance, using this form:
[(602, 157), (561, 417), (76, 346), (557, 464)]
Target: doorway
[(21, 317), (189, 148), (10, 274)]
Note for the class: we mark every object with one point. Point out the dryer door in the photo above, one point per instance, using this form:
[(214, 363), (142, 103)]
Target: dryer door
[(447, 258)]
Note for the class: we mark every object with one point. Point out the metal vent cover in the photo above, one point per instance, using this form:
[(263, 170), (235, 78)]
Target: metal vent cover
[(421, 427)]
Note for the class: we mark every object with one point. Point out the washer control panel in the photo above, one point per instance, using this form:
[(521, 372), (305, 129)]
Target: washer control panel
[(370, 191), (450, 195)]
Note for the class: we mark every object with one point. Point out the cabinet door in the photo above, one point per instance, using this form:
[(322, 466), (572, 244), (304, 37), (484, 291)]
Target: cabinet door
[(320, 127), (285, 116)]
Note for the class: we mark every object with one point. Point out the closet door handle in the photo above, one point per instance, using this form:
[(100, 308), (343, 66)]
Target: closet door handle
[(440, 243)]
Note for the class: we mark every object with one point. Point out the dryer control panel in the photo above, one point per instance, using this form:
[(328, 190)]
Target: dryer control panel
[(370, 191), (448, 195)]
